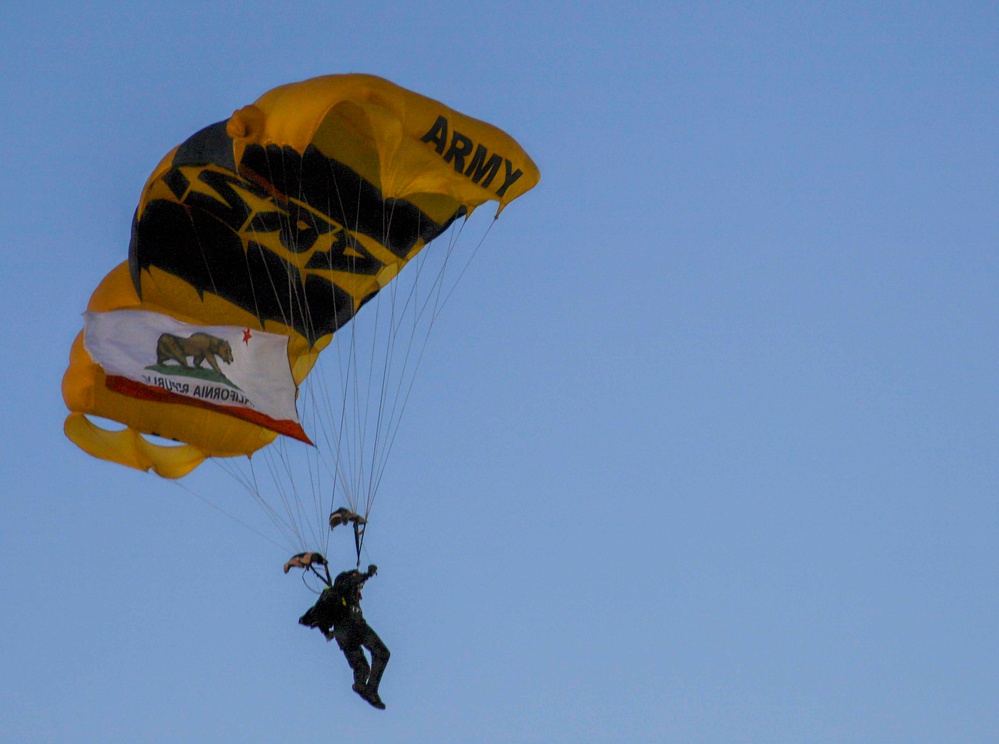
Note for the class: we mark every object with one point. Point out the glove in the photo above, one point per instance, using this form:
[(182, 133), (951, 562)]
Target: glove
[(372, 569)]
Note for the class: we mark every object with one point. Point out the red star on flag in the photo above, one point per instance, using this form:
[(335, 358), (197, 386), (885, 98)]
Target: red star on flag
[(246, 336)]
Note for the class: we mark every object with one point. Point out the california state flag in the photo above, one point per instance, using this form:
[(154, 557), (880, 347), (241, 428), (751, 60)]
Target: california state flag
[(238, 371)]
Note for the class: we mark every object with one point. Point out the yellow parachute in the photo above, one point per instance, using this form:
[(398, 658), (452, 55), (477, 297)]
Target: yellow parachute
[(284, 219)]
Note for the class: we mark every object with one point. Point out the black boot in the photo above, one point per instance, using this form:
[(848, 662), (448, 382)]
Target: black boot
[(368, 694)]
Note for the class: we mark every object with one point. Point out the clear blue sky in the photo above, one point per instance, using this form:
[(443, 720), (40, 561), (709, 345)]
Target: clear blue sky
[(704, 449)]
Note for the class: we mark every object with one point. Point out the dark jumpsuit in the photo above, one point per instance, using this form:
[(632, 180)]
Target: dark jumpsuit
[(339, 607)]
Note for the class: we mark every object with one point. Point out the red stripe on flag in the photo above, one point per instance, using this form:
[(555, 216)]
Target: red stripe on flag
[(134, 389)]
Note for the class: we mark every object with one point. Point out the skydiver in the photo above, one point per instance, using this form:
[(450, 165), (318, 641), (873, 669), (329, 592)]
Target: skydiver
[(337, 614)]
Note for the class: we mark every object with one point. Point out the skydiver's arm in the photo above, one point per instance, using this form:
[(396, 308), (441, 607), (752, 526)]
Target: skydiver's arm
[(356, 578)]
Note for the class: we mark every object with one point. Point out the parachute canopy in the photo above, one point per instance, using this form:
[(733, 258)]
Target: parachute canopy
[(253, 242)]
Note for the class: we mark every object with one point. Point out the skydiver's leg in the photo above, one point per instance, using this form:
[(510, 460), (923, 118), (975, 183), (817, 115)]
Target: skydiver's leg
[(349, 642), (379, 657), (359, 665)]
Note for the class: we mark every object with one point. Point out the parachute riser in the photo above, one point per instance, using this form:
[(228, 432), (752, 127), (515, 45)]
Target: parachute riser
[(325, 579), (359, 523), (359, 539)]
